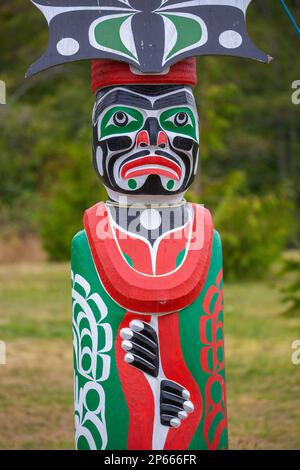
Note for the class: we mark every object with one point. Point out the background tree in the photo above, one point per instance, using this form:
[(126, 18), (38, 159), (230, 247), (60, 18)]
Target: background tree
[(250, 148)]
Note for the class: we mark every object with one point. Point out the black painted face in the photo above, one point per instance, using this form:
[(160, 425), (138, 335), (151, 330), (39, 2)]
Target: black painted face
[(146, 139)]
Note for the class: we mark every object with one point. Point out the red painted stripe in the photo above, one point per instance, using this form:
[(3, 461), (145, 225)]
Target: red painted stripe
[(212, 410), (175, 369), (151, 160), (169, 248), (137, 250), (138, 395), (213, 307), (151, 170)]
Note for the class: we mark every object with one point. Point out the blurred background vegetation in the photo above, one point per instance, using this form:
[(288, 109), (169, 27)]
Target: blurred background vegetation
[(250, 147), (250, 168)]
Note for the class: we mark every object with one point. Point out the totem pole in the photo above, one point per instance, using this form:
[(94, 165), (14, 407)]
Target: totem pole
[(147, 268)]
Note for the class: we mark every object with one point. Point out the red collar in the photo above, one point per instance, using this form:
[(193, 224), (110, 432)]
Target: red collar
[(149, 294)]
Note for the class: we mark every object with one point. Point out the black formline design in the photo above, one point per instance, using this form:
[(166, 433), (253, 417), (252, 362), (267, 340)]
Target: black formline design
[(146, 33), (140, 343)]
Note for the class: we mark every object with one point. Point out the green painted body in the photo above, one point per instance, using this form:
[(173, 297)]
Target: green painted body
[(98, 315)]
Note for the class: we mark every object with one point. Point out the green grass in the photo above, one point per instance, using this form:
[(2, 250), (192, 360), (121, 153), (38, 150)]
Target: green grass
[(263, 384), (36, 390)]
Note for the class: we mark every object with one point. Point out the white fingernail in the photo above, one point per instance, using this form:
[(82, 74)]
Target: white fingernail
[(182, 415), (126, 333), (188, 406), (136, 325), (186, 394), (129, 358), (175, 422), (126, 345)]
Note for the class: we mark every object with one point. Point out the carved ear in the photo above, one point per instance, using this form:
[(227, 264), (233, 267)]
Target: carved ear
[(151, 38)]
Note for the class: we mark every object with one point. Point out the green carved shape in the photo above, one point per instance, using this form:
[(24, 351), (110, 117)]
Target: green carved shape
[(108, 35), (189, 33), (170, 122), (120, 120)]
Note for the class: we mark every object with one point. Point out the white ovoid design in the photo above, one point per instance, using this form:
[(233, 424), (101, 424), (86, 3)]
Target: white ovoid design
[(150, 219), (230, 39), (99, 158), (92, 363), (67, 46)]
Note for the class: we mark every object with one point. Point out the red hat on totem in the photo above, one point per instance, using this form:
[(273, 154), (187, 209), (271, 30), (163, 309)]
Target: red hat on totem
[(105, 73)]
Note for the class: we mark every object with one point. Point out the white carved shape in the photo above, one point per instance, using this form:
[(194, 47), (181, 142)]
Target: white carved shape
[(92, 311)]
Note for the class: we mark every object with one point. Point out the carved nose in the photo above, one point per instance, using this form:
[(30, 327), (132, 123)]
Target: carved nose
[(162, 139), (143, 139)]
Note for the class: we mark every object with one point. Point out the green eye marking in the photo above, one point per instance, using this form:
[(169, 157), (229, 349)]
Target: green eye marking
[(180, 121), (120, 120)]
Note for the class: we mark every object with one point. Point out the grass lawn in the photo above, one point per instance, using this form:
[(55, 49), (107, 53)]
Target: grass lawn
[(36, 390)]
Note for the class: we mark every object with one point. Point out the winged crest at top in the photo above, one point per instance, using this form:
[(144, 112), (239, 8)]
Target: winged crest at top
[(151, 35)]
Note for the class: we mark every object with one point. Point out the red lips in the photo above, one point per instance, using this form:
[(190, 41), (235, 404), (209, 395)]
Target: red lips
[(151, 165)]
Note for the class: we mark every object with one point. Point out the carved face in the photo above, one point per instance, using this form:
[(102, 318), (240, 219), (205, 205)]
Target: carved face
[(146, 139)]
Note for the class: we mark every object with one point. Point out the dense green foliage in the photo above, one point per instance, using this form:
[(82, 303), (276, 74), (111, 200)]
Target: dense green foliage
[(250, 141), (254, 228)]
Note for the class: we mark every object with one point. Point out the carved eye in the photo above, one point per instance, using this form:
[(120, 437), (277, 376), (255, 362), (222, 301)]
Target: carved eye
[(120, 119), (181, 119)]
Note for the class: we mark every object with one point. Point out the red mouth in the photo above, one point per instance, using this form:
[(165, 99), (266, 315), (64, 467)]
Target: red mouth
[(151, 165)]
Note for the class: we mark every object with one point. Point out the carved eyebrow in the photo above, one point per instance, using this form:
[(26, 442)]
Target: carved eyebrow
[(124, 97), (128, 97), (176, 99)]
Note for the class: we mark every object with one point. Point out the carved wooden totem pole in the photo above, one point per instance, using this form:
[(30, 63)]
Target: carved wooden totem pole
[(147, 267)]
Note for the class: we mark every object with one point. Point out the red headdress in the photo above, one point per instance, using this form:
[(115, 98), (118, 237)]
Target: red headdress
[(110, 72)]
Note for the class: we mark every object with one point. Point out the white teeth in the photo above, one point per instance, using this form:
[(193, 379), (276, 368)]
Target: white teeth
[(126, 345), (129, 358), (182, 415), (136, 325), (175, 423), (188, 406), (186, 394), (126, 333)]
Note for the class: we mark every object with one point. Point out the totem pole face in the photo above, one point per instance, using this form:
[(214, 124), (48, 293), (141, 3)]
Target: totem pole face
[(146, 139)]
